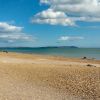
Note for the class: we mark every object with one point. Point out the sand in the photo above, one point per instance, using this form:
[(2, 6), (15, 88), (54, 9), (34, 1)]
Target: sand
[(38, 77)]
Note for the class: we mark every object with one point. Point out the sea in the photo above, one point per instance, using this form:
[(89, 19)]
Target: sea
[(65, 51)]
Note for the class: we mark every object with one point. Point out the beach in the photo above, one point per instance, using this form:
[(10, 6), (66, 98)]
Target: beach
[(42, 77)]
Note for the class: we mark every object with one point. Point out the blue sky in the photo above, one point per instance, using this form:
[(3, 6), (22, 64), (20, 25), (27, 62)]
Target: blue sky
[(50, 23)]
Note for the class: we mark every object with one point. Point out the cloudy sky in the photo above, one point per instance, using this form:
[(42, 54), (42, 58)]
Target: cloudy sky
[(35, 23)]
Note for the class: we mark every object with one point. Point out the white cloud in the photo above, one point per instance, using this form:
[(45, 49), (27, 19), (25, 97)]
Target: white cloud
[(74, 10), (44, 1), (88, 7), (5, 27), (70, 38), (87, 19), (53, 17), (14, 37), (11, 33)]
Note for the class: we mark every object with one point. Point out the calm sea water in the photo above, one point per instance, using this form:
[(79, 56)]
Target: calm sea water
[(66, 52)]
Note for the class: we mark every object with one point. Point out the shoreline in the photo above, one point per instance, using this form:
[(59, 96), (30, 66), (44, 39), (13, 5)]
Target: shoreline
[(53, 57), (90, 53)]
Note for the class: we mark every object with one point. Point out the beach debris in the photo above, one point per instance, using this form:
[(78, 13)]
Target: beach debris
[(5, 51), (84, 58), (93, 58), (89, 65)]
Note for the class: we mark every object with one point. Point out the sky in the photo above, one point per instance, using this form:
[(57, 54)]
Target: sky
[(36, 23)]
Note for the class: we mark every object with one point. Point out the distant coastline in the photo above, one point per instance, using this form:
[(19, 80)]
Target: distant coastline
[(45, 47)]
